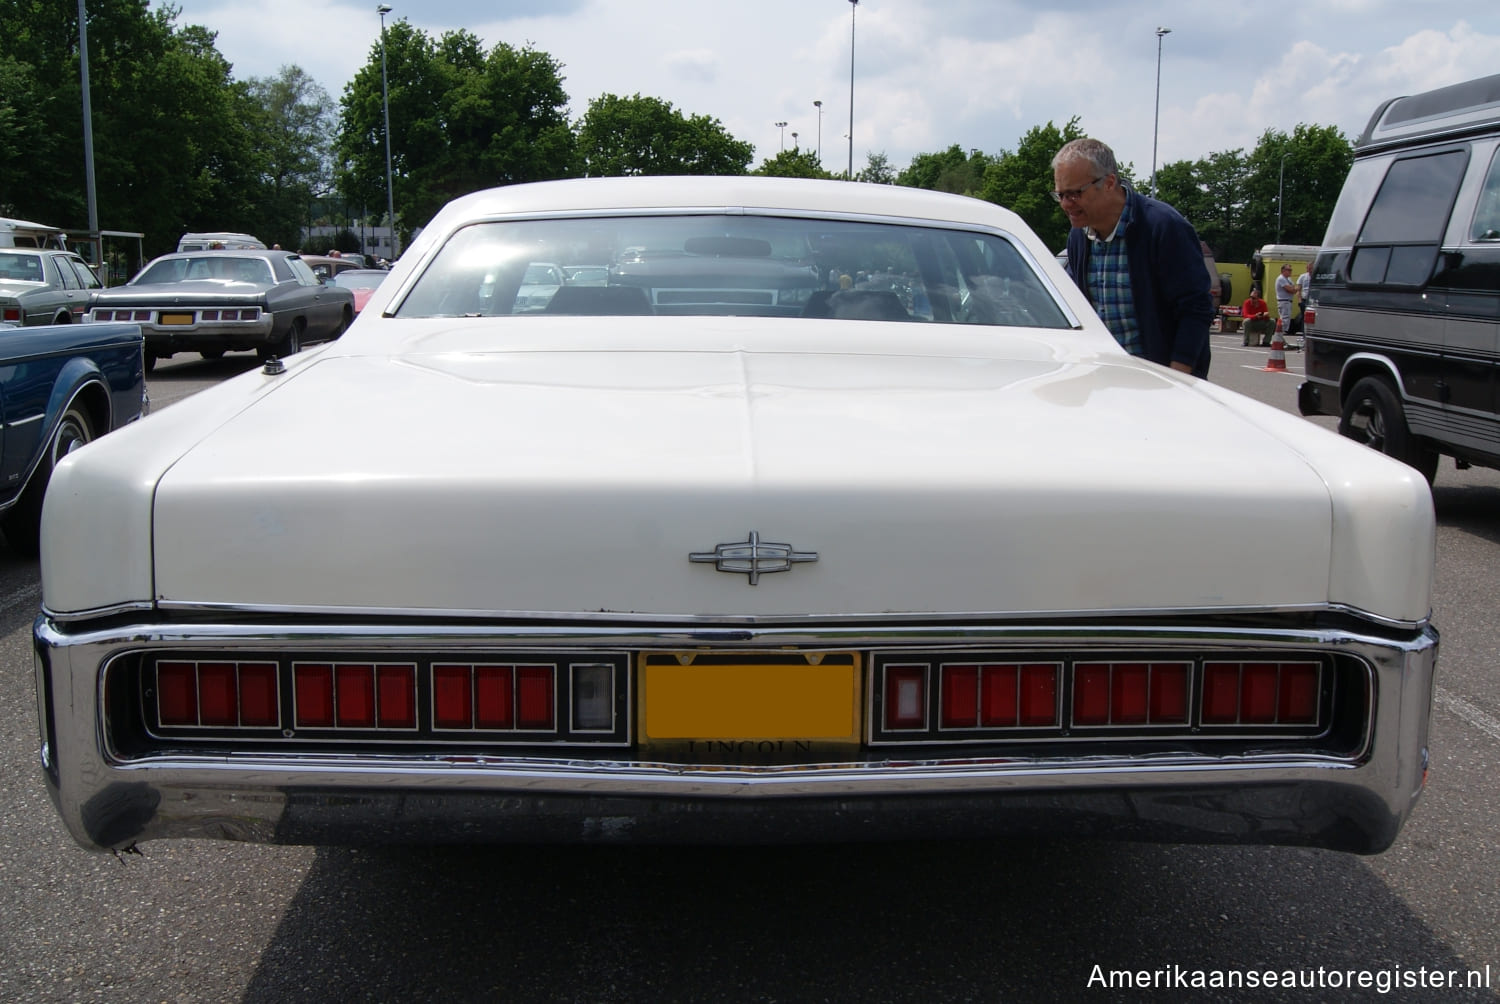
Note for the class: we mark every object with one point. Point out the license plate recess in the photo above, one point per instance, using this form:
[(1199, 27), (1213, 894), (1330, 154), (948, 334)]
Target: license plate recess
[(808, 698)]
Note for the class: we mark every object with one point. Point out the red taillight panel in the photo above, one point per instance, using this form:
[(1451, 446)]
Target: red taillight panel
[(355, 700), (259, 704), (312, 688), (177, 693), (582, 700), (960, 689), (10, 314), (1130, 693), (1262, 693), (452, 697), (217, 694)]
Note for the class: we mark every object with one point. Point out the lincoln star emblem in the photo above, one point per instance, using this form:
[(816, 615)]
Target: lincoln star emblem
[(754, 557)]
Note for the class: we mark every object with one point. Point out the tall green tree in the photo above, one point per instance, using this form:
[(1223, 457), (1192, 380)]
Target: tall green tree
[(1211, 193), (173, 149), (461, 119), (1294, 182), (949, 170), (794, 163), (295, 127), (1021, 180), (877, 170), (644, 135)]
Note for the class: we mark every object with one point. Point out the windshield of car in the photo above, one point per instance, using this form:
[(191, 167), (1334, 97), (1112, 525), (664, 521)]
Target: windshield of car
[(733, 265), (21, 267), (225, 268)]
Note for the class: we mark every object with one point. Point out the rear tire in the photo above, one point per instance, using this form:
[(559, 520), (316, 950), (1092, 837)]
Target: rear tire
[(1373, 416), (23, 521), (290, 344)]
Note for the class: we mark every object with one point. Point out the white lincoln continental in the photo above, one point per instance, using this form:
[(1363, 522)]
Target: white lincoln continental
[(811, 511)]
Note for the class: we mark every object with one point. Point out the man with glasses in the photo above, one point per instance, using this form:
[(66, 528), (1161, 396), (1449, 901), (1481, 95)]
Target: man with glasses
[(1136, 259)]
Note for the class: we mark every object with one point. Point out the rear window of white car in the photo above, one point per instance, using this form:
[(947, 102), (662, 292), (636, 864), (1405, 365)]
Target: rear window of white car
[(733, 265)]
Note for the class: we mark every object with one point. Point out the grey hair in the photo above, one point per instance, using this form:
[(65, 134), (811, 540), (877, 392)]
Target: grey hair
[(1098, 156)]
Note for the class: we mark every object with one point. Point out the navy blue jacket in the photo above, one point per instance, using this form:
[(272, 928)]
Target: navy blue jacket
[(1169, 283)]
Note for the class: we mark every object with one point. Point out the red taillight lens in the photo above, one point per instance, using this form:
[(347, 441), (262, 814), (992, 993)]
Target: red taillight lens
[(218, 694), (534, 698), (312, 687), (218, 699), (905, 697), (1258, 692), (177, 693), (997, 695), (1298, 703), (1169, 694), (1130, 693), (1309, 317), (397, 691), (495, 696), (452, 697), (960, 690), (258, 701), (213, 315), (355, 689), (1261, 693), (1039, 695), (1091, 694)]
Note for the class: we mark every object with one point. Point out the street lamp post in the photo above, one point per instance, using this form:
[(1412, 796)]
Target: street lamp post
[(1156, 127), (385, 103), (853, 6), (1280, 181), (819, 106), (795, 146), (782, 127)]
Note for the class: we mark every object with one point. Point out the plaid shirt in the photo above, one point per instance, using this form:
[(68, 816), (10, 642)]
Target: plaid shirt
[(1109, 285)]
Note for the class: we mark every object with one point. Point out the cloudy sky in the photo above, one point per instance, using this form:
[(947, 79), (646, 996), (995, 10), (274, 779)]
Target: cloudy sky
[(931, 73)]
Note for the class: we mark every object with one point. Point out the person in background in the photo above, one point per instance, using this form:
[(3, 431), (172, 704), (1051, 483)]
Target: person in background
[(1304, 289), (1257, 318), (1286, 289), (1136, 259)]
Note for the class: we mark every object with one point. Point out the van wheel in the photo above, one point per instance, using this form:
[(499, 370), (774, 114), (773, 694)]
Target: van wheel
[(1373, 416)]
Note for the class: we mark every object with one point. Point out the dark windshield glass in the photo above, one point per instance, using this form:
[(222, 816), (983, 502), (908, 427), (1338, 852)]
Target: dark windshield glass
[(733, 265)]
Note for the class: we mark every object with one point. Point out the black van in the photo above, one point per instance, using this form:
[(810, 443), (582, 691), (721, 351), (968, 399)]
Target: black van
[(1403, 328)]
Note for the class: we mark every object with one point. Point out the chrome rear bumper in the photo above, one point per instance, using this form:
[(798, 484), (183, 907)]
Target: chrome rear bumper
[(1356, 802)]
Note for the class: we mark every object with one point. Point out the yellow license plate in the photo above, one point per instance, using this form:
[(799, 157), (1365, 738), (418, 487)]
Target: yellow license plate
[(176, 319), (741, 697)]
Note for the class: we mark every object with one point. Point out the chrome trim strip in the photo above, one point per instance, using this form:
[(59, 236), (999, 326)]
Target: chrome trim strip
[(696, 620)]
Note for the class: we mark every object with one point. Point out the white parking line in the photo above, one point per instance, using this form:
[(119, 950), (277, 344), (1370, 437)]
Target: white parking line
[(1474, 716)]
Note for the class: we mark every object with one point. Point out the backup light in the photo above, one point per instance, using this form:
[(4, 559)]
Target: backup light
[(905, 697)]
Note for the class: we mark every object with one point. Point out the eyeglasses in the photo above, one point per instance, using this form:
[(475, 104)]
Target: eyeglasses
[(1074, 194)]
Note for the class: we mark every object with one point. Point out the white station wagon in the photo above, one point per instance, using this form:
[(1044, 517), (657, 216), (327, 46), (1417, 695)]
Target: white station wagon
[(832, 513)]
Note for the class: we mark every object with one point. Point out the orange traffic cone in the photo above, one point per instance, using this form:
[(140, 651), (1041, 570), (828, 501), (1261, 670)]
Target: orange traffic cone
[(1278, 350)]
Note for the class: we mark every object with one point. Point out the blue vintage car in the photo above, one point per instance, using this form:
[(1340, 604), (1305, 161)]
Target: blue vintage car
[(61, 385)]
